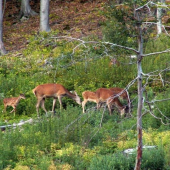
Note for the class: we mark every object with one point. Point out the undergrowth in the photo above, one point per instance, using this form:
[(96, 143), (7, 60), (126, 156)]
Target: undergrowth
[(71, 139)]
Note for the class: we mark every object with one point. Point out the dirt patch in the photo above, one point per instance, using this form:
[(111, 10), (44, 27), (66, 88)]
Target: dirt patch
[(72, 18)]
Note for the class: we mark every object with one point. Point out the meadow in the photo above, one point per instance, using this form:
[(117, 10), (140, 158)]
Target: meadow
[(71, 139)]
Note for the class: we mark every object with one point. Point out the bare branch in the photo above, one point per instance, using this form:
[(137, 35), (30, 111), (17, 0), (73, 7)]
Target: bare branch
[(155, 53)]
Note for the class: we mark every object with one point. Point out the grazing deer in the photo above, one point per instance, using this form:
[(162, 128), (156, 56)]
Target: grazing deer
[(102, 95), (13, 101), (122, 93), (52, 91), (114, 62), (108, 96)]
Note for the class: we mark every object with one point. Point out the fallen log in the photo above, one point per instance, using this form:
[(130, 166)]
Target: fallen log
[(14, 125)]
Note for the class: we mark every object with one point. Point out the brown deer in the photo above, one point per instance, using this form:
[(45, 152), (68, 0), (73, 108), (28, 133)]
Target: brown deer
[(114, 62), (108, 96), (102, 95), (88, 96), (122, 93), (52, 91), (13, 101)]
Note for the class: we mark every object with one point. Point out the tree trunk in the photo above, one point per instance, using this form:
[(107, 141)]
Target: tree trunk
[(26, 10), (44, 16), (140, 101), (2, 47), (159, 18)]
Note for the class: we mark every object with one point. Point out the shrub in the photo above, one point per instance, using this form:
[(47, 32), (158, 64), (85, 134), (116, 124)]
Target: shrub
[(152, 159), (110, 162)]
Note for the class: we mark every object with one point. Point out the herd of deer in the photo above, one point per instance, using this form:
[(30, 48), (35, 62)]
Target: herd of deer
[(110, 96)]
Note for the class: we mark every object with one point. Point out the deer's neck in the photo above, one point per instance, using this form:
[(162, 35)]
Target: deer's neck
[(70, 95), (17, 100)]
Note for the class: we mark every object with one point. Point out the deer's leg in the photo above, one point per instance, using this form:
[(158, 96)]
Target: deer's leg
[(109, 105), (43, 105), (59, 99), (13, 109), (110, 109), (98, 104), (54, 102), (38, 105), (110, 102), (122, 112), (83, 105)]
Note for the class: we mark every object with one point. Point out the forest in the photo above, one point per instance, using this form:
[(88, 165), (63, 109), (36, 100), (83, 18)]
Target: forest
[(91, 44)]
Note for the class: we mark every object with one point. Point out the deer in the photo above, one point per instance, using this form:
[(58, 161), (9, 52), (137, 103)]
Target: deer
[(54, 91), (102, 95), (114, 62), (122, 93), (13, 101), (88, 96), (108, 96)]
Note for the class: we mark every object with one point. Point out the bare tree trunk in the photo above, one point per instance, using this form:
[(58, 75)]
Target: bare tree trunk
[(26, 10), (140, 101), (2, 47), (44, 16), (159, 18)]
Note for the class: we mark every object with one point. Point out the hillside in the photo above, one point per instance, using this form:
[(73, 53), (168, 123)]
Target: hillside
[(69, 18), (67, 138)]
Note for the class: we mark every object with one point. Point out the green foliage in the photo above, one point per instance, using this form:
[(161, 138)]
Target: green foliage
[(108, 146), (65, 139), (160, 111), (153, 160), (72, 155), (122, 21), (108, 162), (117, 25)]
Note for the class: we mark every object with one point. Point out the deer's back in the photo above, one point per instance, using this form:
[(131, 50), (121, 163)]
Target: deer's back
[(89, 95), (104, 94), (10, 101), (49, 90), (118, 90)]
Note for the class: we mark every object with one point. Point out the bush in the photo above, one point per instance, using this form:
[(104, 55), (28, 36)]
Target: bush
[(110, 162), (152, 160)]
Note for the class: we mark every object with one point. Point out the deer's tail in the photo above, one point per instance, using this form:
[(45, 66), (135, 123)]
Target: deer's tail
[(34, 91)]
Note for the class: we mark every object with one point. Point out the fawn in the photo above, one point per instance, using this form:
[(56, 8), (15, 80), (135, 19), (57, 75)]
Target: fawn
[(13, 101)]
